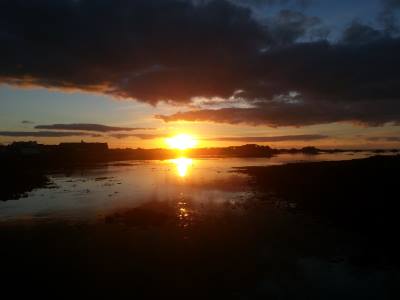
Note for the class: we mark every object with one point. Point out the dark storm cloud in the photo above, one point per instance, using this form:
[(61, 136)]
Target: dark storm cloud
[(88, 127), (45, 134), (355, 80), (274, 114), (358, 33), (288, 26), (301, 3), (282, 138), (155, 50), (388, 15), (147, 49)]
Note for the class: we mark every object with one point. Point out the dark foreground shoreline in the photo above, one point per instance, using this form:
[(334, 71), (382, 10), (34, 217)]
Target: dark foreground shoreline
[(324, 230), (358, 192), (359, 196)]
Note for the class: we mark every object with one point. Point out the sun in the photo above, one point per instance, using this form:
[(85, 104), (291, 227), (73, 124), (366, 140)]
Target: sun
[(181, 142)]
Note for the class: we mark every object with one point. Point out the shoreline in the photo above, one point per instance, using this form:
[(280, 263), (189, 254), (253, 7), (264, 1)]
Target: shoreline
[(356, 191), (234, 249)]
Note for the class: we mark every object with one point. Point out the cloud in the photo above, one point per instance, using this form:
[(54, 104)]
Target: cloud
[(388, 15), (288, 26), (27, 122), (245, 139), (297, 114), (143, 136), (256, 3), (282, 138), (177, 50), (358, 33), (46, 134), (88, 127), (384, 139), (150, 50), (217, 102)]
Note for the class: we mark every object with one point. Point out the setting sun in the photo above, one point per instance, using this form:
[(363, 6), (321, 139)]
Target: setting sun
[(181, 142)]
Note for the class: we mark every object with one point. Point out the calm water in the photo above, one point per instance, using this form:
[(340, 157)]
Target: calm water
[(88, 194), (184, 227)]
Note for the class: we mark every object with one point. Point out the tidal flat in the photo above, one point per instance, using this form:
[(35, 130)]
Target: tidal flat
[(284, 231)]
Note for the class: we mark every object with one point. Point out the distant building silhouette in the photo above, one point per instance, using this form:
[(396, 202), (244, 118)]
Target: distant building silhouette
[(26, 148), (83, 147)]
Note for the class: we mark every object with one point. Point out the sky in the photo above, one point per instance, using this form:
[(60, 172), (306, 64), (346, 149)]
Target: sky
[(285, 73)]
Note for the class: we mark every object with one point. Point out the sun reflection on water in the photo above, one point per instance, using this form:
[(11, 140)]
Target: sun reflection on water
[(182, 165), (185, 215)]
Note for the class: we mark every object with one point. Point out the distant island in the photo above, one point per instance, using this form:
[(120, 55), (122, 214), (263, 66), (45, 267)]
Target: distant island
[(77, 153)]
